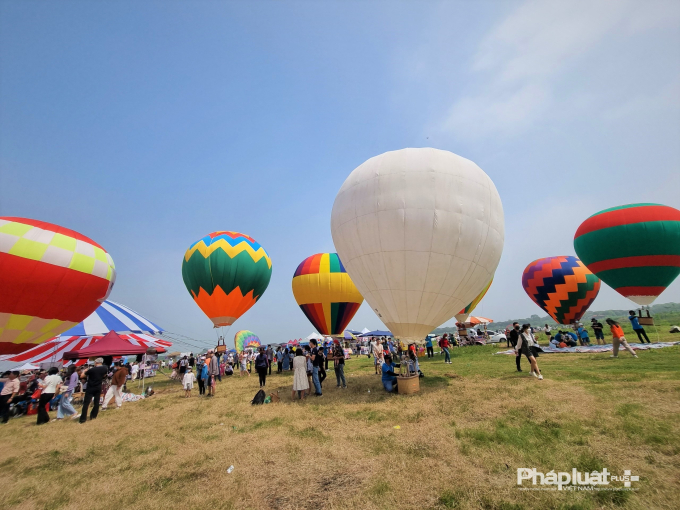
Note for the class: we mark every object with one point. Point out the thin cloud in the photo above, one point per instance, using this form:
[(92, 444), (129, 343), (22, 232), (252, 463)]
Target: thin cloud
[(519, 63)]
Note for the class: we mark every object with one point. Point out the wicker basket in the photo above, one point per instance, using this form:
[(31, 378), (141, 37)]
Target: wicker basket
[(408, 385), (646, 321)]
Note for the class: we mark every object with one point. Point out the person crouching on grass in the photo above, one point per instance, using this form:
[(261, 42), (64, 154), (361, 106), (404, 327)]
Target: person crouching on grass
[(389, 377), (525, 342), (188, 382), (618, 339)]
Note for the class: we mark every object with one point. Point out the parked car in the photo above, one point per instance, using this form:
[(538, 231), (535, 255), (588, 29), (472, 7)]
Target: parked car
[(498, 336)]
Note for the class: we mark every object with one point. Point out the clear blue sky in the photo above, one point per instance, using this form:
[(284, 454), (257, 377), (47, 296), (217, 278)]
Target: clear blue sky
[(146, 125)]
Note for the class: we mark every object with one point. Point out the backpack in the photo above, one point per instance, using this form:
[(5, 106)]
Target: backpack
[(259, 398)]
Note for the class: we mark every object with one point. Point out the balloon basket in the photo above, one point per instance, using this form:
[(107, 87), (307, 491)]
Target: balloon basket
[(408, 385), (646, 321)]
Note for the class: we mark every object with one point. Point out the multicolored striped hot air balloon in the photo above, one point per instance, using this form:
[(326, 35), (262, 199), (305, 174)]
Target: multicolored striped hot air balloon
[(562, 286), (325, 293), (635, 249), (226, 273), (463, 315), (51, 278), (245, 339)]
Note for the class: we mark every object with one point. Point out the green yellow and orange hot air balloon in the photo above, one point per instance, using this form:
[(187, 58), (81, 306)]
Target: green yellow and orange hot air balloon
[(226, 273)]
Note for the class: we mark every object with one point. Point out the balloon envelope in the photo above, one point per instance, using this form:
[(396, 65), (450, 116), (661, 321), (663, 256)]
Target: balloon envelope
[(562, 286), (226, 273), (51, 278), (463, 315), (325, 293), (635, 249), (420, 232), (245, 339)]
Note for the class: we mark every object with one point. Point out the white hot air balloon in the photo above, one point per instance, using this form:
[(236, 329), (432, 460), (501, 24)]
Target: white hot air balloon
[(420, 232)]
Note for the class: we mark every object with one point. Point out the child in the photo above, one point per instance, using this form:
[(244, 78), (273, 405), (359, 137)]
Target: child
[(188, 382)]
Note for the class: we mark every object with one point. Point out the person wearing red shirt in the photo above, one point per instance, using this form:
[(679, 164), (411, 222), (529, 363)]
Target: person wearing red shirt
[(444, 344)]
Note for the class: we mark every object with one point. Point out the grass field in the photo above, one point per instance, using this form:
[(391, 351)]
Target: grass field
[(459, 444)]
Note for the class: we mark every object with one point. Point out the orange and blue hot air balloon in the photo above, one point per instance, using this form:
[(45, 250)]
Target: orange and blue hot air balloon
[(562, 286), (635, 249), (325, 293), (51, 278), (226, 273)]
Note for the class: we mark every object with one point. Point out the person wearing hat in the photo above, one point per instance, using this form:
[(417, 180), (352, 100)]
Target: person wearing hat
[(94, 377), (188, 381)]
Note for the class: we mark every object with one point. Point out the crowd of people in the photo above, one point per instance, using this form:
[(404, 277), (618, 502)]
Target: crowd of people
[(42, 390)]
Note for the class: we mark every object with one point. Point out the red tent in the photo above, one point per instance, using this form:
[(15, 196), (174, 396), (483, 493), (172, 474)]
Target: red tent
[(110, 345)]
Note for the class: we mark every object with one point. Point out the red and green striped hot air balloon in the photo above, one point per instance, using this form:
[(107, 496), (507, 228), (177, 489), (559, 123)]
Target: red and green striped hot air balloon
[(635, 249)]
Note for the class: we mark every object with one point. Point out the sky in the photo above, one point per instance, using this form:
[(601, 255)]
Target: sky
[(147, 125)]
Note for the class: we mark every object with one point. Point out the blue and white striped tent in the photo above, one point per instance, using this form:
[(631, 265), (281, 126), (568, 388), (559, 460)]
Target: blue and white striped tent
[(112, 316)]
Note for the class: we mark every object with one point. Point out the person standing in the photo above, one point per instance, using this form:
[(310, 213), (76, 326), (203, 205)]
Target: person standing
[(135, 369), (243, 363), (598, 331), (641, 333), (183, 363), (203, 378), (94, 377), (261, 366), (188, 382), (213, 372), (618, 339), (547, 330), (378, 356), (270, 359), (444, 343), (514, 337), (116, 388), (279, 360), (525, 343), (339, 363), (65, 406), (300, 383), (192, 360), (9, 391), (50, 386), (428, 345), (322, 370), (316, 360)]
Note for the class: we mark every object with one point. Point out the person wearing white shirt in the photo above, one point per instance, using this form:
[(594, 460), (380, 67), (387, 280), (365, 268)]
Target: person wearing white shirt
[(49, 386), (188, 382)]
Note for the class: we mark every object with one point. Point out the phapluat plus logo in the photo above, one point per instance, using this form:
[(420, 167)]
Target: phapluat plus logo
[(574, 480)]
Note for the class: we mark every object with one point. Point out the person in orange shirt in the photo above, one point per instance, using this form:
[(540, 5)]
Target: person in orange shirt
[(618, 339)]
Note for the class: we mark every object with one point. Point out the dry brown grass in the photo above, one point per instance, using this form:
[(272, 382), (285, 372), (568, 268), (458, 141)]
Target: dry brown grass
[(460, 442)]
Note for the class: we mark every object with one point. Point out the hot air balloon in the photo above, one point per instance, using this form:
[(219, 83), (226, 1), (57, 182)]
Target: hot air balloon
[(635, 249), (226, 273), (245, 339), (51, 278), (561, 286), (463, 315), (420, 232), (325, 293)]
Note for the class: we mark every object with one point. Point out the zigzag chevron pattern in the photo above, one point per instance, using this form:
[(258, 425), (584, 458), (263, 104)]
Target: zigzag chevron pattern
[(561, 286), (231, 246)]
